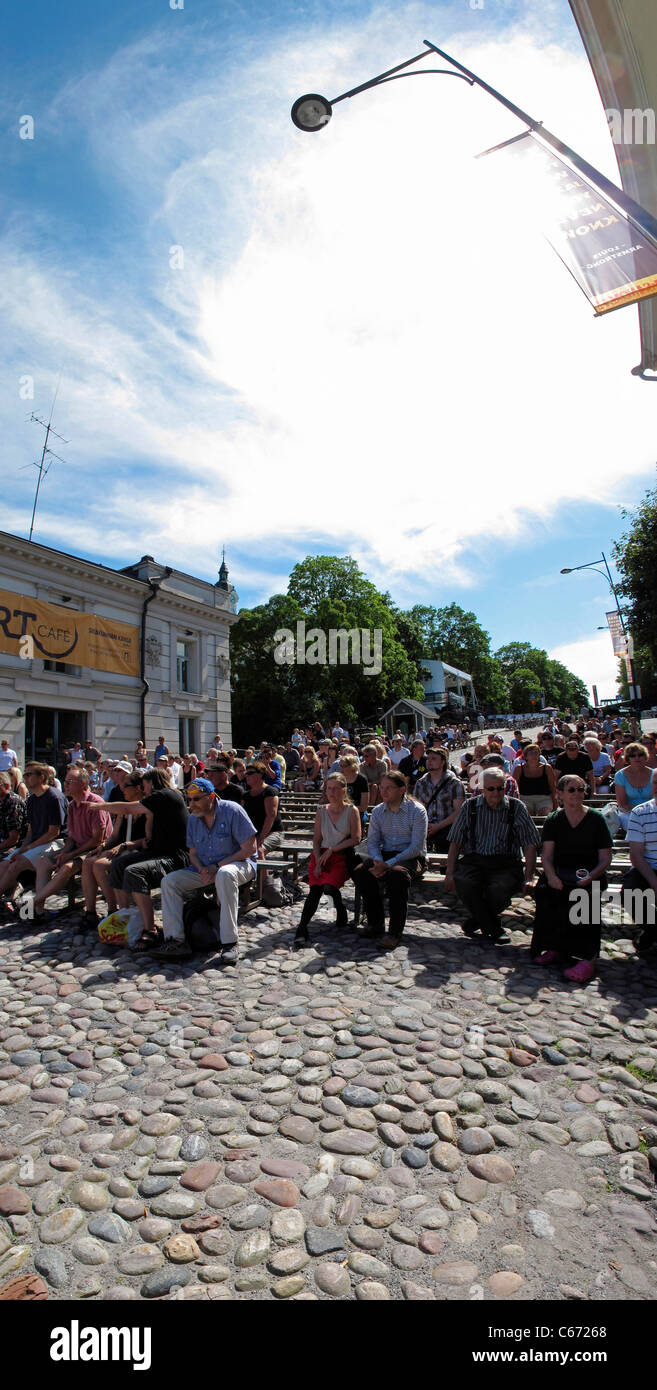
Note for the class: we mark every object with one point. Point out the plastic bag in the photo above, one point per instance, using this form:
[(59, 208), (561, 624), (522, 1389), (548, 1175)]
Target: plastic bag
[(121, 928), (612, 818)]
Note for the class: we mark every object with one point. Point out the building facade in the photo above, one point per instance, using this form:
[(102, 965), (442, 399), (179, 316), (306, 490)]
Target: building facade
[(445, 687), (177, 630)]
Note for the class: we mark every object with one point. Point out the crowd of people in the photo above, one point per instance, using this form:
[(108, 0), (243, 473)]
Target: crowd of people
[(183, 824)]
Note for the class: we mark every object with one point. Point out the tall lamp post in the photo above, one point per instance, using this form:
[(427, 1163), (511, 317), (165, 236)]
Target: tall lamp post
[(312, 112), (606, 574)]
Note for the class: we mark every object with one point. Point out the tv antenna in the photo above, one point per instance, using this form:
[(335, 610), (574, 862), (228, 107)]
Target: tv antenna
[(46, 452)]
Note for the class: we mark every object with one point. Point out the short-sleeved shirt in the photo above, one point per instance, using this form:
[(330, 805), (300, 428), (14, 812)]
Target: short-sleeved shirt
[(575, 767), (412, 769), (576, 847), (13, 816), (374, 774), (83, 823), (232, 792), (642, 830), (635, 795), (42, 811), (440, 799), (224, 837), (357, 789), (257, 807), (170, 816), (7, 759), (490, 828)]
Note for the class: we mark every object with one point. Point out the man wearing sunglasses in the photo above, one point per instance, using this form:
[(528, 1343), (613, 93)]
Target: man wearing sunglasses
[(222, 849), (492, 830)]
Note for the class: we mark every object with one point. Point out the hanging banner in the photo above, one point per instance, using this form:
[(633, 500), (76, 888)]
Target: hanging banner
[(618, 638), (30, 628), (612, 261)]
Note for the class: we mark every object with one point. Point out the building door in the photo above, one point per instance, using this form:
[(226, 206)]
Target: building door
[(48, 732)]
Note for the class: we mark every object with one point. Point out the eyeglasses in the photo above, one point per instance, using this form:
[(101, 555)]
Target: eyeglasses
[(576, 791), (630, 756)]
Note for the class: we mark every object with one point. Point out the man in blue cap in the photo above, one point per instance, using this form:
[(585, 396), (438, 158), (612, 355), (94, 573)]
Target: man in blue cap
[(222, 849)]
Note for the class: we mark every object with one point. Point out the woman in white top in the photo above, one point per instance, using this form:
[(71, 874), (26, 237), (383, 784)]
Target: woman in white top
[(337, 830)]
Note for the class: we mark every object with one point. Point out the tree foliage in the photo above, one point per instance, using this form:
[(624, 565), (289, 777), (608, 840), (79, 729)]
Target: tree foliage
[(559, 685), (636, 557)]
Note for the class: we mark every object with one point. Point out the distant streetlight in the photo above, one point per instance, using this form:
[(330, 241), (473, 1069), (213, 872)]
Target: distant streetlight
[(606, 574)]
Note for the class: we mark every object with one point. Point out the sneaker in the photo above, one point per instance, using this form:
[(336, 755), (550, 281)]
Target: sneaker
[(580, 973), (548, 958), (171, 950), (470, 927), (230, 954), (89, 921)]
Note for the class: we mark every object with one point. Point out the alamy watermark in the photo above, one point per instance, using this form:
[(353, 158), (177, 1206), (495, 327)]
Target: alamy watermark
[(636, 905), (632, 126), (354, 646)]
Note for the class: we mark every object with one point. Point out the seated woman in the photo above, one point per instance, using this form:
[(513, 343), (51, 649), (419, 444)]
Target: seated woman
[(537, 784), (632, 782), (357, 786), (602, 764), (576, 850), (261, 805), (127, 835), (135, 873), (238, 775), (337, 830), (311, 779)]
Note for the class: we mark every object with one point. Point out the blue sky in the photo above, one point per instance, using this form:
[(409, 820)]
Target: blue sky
[(290, 345)]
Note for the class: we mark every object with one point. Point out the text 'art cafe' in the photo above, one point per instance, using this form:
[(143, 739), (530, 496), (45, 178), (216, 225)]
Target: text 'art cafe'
[(111, 655)]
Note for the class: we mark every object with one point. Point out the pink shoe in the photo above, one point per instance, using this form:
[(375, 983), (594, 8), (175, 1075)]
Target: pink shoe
[(548, 958), (581, 972)]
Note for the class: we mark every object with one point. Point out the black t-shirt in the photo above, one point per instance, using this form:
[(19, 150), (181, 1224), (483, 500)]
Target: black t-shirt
[(576, 847), (256, 807), (578, 766), (45, 810), (551, 755), (170, 816), (357, 788), (232, 792), (410, 768)]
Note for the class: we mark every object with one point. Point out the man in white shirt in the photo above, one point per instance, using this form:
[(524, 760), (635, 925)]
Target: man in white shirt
[(8, 757), (641, 839), (397, 752)]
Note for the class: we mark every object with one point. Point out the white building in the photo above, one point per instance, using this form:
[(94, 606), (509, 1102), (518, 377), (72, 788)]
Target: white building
[(175, 627), (445, 687)]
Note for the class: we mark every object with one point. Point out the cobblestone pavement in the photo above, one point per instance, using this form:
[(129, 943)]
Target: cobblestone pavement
[(447, 1121)]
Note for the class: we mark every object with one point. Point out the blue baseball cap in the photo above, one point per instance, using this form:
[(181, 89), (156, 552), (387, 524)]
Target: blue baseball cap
[(202, 786)]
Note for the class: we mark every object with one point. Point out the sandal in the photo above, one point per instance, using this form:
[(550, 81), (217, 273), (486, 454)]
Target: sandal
[(147, 941)]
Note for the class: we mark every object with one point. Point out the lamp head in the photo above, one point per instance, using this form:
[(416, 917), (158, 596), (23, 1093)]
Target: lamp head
[(566, 571), (311, 112)]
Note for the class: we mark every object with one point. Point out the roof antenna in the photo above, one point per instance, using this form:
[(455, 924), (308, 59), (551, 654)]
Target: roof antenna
[(43, 469)]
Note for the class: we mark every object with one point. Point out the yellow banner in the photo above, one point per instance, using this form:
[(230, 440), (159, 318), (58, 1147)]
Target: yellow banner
[(30, 628)]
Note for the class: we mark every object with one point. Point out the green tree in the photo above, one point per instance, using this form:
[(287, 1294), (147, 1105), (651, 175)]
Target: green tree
[(522, 686), (636, 557), (454, 635)]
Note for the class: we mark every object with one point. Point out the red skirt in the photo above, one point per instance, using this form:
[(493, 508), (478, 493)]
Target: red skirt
[(334, 873)]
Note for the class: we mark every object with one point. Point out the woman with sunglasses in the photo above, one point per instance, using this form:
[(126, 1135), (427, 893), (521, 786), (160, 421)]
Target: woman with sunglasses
[(576, 850), (311, 773), (632, 782)]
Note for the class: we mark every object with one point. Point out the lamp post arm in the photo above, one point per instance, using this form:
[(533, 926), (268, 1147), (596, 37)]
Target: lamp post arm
[(644, 220), (390, 73)]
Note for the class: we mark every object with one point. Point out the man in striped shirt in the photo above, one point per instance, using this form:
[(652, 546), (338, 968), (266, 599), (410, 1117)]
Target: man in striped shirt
[(641, 838), (492, 831)]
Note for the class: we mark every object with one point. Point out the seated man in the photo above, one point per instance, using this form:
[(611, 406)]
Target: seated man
[(222, 850), (441, 792), (218, 774), (414, 765), (396, 845), (46, 816), (641, 839), (492, 829), (86, 830), (13, 816), (135, 873), (273, 773)]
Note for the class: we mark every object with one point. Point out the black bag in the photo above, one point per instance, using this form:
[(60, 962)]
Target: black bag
[(201, 917)]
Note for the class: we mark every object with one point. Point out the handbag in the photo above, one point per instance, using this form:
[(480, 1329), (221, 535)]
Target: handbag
[(201, 922)]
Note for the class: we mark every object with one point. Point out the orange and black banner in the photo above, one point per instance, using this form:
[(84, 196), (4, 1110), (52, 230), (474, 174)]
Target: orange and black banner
[(613, 262), (30, 628)]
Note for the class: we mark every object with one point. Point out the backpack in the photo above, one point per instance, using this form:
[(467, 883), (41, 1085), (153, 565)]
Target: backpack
[(274, 892), (201, 917)]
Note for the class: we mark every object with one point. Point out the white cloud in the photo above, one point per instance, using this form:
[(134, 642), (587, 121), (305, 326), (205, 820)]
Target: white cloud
[(367, 346), (593, 660)]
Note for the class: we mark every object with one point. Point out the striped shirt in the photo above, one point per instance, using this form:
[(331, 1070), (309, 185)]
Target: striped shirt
[(642, 830), (403, 833), (440, 799), (491, 830)]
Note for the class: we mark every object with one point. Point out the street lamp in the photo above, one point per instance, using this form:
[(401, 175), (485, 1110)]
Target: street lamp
[(312, 112), (606, 574)]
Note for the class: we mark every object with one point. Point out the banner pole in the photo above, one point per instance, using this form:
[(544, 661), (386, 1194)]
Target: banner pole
[(638, 215)]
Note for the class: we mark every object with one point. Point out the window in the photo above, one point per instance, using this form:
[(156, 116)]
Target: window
[(187, 736), (186, 680), (62, 668)]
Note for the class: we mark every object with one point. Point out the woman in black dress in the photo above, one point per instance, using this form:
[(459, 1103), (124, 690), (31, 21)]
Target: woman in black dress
[(576, 850)]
